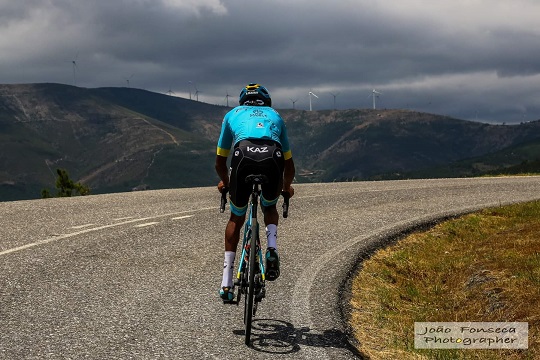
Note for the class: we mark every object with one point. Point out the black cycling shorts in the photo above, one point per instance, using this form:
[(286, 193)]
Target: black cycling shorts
[(253, 157)]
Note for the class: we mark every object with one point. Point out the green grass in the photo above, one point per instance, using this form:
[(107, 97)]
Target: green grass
[(481, 267)]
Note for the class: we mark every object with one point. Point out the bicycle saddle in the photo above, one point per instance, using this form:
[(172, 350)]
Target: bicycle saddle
[(257, 179)]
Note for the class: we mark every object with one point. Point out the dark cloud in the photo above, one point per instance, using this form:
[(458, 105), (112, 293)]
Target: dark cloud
[(473, 60)]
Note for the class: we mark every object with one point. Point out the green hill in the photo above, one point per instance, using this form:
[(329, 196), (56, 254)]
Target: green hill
[(375, 144), (102, 138), (523, 158), (118, 139)]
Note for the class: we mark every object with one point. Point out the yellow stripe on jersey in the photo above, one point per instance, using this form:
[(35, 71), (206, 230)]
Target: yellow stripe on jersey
[(223, 152), (287, 155)]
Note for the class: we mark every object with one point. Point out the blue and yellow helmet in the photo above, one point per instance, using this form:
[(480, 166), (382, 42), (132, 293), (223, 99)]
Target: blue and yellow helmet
[(255, 92)]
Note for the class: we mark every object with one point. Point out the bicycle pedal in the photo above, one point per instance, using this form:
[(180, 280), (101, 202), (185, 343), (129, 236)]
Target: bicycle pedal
[(260, 295)]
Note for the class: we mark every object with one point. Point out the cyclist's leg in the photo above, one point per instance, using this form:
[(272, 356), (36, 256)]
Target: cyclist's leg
[(232, 236), (232, 231), (272, 257), (269, 197), (239, 195), (272, 190)]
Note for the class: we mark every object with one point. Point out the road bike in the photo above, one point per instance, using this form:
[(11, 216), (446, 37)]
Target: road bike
[(251, 275)]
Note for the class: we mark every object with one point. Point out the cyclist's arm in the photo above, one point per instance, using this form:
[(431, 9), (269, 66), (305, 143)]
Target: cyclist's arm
[(284, 141), (288, 176), (221, 169), (223, 149), (289, 170)]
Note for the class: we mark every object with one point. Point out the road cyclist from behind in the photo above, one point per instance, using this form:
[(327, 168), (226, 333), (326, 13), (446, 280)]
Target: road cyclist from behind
[(260, 145)]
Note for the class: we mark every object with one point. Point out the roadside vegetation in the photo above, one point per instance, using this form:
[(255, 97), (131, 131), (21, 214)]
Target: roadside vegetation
[(66, 187), (482, 267)]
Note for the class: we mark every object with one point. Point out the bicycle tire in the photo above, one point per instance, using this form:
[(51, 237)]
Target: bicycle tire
[(248, 315)]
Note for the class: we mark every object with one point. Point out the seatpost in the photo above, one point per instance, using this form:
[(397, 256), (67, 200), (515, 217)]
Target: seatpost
[(254, 200)]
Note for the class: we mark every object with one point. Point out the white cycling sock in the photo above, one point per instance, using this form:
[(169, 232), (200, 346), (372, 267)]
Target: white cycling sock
[(228, 269), (271, 235)]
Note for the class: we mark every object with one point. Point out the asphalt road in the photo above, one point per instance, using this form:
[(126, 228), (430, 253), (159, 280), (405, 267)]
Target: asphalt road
[(136, 275)]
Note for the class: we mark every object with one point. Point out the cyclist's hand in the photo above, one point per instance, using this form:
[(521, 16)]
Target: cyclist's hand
[(221, 186), (289, 190)]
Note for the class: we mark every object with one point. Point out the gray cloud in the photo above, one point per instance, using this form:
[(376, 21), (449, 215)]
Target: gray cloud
[(473, 60)]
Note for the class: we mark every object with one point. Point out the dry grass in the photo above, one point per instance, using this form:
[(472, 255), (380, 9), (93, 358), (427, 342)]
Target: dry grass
[(480, 267)]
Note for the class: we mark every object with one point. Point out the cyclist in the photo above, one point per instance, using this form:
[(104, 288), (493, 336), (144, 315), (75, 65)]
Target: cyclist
[(261, 146)]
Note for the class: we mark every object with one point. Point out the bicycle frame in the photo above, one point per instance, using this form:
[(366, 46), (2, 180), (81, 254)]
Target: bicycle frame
[(246, 243), (251, 273)]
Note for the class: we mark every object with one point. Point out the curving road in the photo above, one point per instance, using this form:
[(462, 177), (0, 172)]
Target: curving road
[(136, 275)]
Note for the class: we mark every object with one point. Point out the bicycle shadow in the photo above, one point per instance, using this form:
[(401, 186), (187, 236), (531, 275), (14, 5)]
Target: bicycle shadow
[(280, 337)]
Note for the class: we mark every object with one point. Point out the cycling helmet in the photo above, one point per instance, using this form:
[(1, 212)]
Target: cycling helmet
[(255, 92)]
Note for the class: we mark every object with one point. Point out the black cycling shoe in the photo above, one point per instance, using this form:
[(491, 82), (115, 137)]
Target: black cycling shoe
[(272, 264), (227, 295)]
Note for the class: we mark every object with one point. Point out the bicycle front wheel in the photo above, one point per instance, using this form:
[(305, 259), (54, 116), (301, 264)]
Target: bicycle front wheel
[(248, 316)]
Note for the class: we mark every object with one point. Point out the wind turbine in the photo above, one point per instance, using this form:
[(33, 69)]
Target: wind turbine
[(128, 78), (170, 92), (334, 95), (375, 94), (196, 92), (293, 102), (227, 98), (190, 83), (310, 93), (74, 64)]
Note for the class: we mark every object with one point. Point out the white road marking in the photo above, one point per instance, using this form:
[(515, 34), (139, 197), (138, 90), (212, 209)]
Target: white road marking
[(147, 224), (182, 217), (57, 237), (81, 226)]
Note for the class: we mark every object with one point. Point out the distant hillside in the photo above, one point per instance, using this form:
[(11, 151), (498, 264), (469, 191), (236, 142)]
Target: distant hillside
[(523, 158), (376, 144), (109, 139), (117, 139)]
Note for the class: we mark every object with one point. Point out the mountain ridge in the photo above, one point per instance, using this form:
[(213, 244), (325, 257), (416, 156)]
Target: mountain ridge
[(118, 139)]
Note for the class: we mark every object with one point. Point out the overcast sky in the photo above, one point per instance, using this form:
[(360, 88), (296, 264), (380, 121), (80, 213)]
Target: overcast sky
[(471, 59)]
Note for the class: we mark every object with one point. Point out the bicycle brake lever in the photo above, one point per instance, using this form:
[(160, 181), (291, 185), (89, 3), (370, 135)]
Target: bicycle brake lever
[(224, 192), (286, 197)]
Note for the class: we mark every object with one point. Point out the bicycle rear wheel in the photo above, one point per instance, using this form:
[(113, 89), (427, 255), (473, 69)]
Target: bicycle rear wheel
[(248, 315)]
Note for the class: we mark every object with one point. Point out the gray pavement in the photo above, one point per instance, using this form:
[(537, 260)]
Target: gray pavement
[(136, 275)]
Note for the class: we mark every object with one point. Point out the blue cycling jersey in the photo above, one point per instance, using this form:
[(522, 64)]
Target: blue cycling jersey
[(252, 122)]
